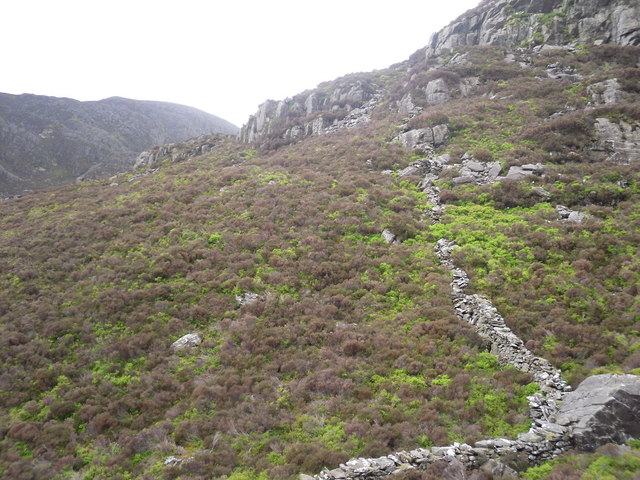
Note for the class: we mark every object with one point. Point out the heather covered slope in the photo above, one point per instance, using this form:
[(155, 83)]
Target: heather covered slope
[(561, 125), (569, 286), (352, 347), (47, 141)]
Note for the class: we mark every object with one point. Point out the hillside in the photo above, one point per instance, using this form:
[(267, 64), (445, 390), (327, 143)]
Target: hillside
[(47, 141), (273, 306)]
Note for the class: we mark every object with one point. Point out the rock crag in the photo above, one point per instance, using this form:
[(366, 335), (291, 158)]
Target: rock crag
[(329, 108), (618, 142), (513, 23), (177, 152)]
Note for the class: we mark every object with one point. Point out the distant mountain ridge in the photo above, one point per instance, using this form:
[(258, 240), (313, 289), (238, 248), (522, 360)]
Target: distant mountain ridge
[(46, 141)]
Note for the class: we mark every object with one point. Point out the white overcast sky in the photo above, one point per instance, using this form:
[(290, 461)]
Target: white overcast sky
[(222, 57)]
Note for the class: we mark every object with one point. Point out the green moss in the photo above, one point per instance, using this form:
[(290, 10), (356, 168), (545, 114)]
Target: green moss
[(539, 472), (399, 376), (551, 17), (483, 361), (245, 474), (442, 380)]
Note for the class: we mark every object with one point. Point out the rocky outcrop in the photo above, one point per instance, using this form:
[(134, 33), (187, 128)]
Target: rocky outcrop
[(388, 236), (563, 72), (519, 172), (477, 172), (603, 409), (46, 141), (356, 117), (437, 92), (565, 214), (190, 340), (617, 141), (424, 139), (407, 107), (469, 170), (248, 298), (321, 111), (608, 92), (429, 168), (512, 23), (177, 152)]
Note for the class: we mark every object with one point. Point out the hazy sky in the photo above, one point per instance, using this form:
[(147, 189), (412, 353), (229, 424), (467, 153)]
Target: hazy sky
[(222, 57)]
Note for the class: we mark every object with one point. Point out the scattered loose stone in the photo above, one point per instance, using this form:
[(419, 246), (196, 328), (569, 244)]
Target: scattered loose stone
[(388, 236), (424, 139), (520, 172), (568, 215), (607, 92), (189, 340), (247, 298)]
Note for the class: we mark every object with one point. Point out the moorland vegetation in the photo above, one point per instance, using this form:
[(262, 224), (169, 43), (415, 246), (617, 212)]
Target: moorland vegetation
[(352, 348)]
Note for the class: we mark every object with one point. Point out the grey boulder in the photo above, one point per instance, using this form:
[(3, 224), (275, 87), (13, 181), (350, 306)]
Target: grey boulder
[(189, 340), (603, 409)]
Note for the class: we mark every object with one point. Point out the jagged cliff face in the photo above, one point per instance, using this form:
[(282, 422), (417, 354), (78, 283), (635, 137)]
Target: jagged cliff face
[(518, 23), (337, 105), (527, 24), (47, 141)]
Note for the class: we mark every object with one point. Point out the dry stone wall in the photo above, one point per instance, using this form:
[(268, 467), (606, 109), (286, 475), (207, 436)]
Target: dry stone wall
[(478, 311), (586, 421), (546, 439), (605, 408)]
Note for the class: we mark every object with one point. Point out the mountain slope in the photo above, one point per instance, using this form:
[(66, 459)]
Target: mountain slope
[(48, 141), (519, 28), (303, 259)]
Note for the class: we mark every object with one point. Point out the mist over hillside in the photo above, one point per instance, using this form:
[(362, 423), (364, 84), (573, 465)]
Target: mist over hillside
[(431, 270)]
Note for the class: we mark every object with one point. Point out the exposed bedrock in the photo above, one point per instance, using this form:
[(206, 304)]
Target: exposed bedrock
[(603, 409)]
